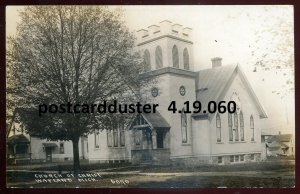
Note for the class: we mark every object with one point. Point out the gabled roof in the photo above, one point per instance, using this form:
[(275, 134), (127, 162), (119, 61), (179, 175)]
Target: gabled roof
[(20, 138), (265, 133), (276, 144), (212, 83), (156, 120), (280, 138)]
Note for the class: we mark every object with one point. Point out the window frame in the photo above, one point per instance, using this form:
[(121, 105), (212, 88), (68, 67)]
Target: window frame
[(147, 60), (231, 159), (242, 125), (220, 157), (186, 59), (242, 158), (154, 92), (137, 137), (109, 138), (87, 147), (218, 127), (236, 126), (236, 158), (115, 137), (122, 134), (159, 58), (252, 157), (252, 128), (182, 90), (184, 126), (230, 127), (97, 139), (175, 56)]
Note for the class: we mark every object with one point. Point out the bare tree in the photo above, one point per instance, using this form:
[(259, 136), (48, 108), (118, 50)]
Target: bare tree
[(77, 54), (270, 39), (273, 48)]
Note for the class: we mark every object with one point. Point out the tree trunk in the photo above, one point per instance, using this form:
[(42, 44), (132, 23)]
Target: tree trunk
[(76, 162)]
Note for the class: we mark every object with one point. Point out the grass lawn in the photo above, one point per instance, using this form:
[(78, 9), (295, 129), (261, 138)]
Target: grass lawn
[(255, 166), (272, 174)]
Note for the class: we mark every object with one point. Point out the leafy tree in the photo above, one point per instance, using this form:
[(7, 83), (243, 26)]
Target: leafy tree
[(76, 54)]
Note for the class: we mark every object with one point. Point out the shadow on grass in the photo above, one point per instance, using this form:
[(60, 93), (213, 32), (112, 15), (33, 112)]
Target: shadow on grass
[(255, 166)]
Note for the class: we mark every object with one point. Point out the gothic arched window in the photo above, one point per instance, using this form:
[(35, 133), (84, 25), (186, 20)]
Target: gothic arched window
[(109, 138), (97, 138), (122, 133), (175, 57), (230, 127), (158, 57), (252, 127), (115, 135), (147, 62), (236, 126), (242, 126), (218, 125), (186, 59), (184, 126)]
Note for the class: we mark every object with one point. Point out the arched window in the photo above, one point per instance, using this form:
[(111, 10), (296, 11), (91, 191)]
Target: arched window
[(109, 138), (252, 127), (184, 126), (242, 125), (158, 57), (186, 59), (137, 137), (230, 127), (236, 126), (147, 62), (122, 133), (175, 57), (115, 135), (97, 139), (218, 125)]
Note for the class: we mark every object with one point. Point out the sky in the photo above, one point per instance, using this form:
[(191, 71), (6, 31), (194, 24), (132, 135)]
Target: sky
[(228, 32)]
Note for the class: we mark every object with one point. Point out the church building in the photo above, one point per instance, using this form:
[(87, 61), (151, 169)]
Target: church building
[(165, 137), (189, 138)]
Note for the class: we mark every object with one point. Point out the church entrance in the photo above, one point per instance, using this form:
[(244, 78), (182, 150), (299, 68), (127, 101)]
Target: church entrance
[(151, 144), (160, 139), (143, 138)]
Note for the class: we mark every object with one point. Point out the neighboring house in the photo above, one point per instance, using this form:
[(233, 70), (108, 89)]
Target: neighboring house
[(54, 151), (264, 148), (24, 149), (281, 144), (18, 149), (186, 138)]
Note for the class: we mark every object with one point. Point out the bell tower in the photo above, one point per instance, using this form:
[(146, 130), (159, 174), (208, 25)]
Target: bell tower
[(166, 45), (167, 50)]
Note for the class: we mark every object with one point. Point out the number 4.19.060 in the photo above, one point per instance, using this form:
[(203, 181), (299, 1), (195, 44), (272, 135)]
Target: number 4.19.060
[(212, 107)]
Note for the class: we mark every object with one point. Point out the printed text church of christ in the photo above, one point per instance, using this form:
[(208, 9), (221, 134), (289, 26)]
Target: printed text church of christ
[(164, 136)]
